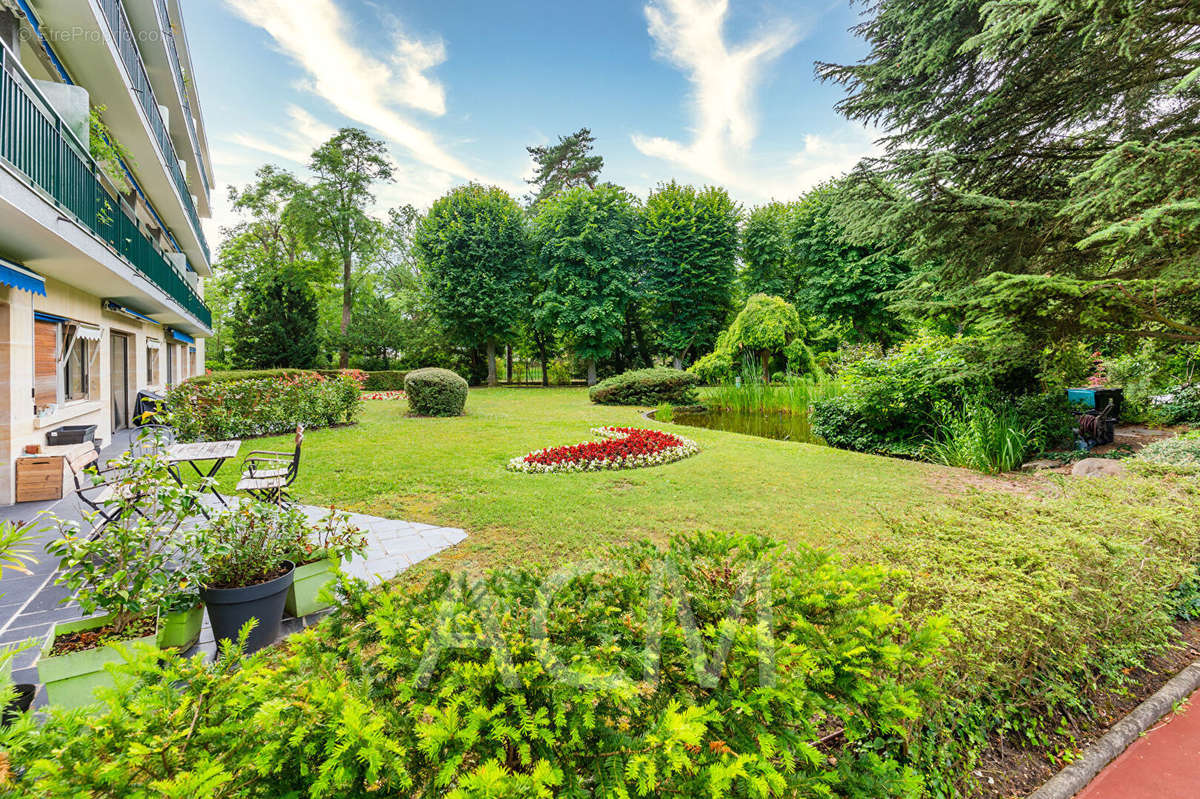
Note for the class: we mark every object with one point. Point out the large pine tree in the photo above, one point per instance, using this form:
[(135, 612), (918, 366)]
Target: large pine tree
[(1043, 158)]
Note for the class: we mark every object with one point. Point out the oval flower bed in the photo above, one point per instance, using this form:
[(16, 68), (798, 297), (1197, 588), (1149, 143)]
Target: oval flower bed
[(384, 395), (618, 448)]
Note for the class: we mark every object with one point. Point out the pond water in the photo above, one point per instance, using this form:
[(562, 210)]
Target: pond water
[(775, 424)]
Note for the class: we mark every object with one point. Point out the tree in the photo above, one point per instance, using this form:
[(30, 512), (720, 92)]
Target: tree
[(274, 323), (767, 324), (841, 281), (689, 239), (584, 244), (1043, 159), (473, 246), (335, 207), (563, 166), (768, 265)]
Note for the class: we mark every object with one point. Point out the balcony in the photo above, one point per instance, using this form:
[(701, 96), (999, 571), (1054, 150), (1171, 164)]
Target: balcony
[(127, 49), (164, 21), (36, 142)]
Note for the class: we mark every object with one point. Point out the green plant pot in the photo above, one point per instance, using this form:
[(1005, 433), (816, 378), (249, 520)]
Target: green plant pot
[(72, 679), (180, 629), (302, 598)]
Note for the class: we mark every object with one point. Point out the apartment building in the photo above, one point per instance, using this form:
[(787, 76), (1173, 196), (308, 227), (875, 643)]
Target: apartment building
[(104, 176)]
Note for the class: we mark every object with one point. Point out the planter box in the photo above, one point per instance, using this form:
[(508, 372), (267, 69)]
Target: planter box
[(72, 679), (180, 629), (303, 596)]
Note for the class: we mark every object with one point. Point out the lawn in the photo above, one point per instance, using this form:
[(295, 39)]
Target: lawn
[(451, 472)]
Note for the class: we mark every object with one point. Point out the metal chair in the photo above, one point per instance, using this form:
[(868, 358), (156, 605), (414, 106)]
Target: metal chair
[(266, 475)]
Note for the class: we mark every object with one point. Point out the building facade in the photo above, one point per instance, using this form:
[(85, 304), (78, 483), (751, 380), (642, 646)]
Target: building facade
[(104, 177)]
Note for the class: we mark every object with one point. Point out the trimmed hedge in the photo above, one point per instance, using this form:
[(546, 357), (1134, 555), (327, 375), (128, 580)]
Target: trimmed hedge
[(647, 387), (390, 380), (260, 404), (435, 392), (246, 374)]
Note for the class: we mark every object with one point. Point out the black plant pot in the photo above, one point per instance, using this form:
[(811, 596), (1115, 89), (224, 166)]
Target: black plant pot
[(24, 700), (230, 608)]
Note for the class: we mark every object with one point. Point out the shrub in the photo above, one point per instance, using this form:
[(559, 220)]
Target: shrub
[(984, 439), (646, 387), (589, 681), (1179, 455), (714, 369), (247, 374), (1184, 406), (261, 404), (560, 372), (435, 392)]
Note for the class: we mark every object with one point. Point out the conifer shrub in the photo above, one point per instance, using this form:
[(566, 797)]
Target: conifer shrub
[(435, 392), (646, 387), (725, 666)]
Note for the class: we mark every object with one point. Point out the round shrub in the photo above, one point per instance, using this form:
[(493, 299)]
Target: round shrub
[(435, 392), (646, 387)]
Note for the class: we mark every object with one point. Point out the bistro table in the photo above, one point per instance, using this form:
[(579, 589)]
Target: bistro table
[(216, 451)]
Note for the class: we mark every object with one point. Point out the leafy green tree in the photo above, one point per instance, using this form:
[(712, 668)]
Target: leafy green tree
[(274, 323), (334, 208), (1043, 159), (473, 246), (689, 240), (585, 251), (767, 324), (840, 281), (768, 265), (562, 166)]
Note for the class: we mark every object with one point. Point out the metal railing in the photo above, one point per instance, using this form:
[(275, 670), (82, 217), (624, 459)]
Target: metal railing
[(131, 57), (164, 24), (35, 141)]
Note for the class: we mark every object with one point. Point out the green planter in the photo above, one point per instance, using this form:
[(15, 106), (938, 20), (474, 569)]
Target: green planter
[(310, 579), (180, 629), (72, 679)]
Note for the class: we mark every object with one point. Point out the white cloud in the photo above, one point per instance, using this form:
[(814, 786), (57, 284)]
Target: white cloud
[(295, 143), (340, 69), (690, 35)]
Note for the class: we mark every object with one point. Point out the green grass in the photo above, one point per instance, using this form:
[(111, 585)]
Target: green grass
[(452, 472)]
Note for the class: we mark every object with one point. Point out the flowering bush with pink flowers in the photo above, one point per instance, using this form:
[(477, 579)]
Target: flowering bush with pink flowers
[(261, 405), (617, 448)]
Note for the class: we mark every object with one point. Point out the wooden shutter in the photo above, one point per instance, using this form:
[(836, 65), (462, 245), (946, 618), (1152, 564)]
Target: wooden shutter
[(45, 363)]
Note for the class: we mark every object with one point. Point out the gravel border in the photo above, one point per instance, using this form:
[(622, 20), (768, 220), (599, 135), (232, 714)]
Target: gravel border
[(1076, 776)]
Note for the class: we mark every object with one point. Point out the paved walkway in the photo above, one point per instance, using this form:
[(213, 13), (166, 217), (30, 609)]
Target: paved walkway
[(31, 604), (1162, 764)]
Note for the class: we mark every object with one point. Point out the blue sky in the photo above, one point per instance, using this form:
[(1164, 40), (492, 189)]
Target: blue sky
[(703, 91)]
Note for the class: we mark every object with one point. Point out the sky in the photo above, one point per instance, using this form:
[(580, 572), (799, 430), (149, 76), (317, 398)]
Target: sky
[(701, 91)]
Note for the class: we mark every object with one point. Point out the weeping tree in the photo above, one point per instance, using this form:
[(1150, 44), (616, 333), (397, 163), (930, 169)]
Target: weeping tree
[(1043, 160), (767, 324), (473, 246), (584, 242)]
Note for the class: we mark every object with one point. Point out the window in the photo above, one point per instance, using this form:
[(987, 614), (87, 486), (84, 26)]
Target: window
[(152, 349), (65, 355)]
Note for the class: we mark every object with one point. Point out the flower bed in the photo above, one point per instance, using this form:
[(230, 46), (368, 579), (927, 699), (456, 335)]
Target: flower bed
[(383, 395), (618, 448)]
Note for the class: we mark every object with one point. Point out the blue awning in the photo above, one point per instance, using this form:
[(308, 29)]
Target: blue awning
[(49, 317), (121, 309), (184, 337), (19, 277)]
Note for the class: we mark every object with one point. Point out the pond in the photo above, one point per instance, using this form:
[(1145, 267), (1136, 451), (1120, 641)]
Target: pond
[(772, 424)]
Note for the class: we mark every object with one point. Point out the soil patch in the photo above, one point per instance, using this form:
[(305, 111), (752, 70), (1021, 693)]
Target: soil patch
[(1006, 771), (92, 639), (279, 571)]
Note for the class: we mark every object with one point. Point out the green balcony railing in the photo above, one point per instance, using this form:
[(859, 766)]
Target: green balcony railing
[(131, 57), (36, 142), (164, 24)]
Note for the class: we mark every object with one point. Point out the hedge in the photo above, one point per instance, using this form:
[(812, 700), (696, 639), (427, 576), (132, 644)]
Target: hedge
[(646, 387), (390, 380), (435, 392), (261, 403), (245, 374)]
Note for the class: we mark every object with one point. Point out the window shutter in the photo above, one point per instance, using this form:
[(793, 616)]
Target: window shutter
[(45, 363)]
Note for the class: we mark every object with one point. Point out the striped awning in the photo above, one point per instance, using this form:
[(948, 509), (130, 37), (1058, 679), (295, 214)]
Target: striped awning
[(19, 277)]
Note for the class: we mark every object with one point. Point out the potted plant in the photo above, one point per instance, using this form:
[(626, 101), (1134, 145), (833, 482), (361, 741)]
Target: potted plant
[(127, 570), (180, 616), (318, 552), (247, 573)]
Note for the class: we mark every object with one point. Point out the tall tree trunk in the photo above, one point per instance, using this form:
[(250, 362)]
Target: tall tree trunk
[(508, 362), (677, 361), (591, 371), (347, 305), (491, 364)]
